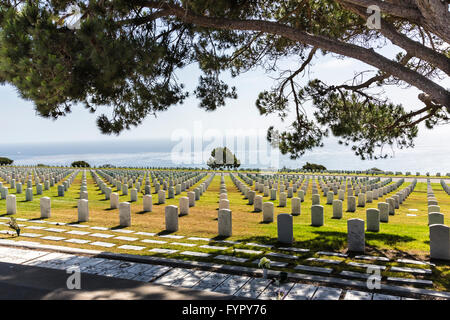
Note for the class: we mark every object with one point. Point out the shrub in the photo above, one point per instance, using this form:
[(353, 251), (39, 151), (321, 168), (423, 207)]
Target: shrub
[(80, 164), (223, 158), (107, 166), (313, 166), (5, 161)]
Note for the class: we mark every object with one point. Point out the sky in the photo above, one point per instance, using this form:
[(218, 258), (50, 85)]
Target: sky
[(20, 124)]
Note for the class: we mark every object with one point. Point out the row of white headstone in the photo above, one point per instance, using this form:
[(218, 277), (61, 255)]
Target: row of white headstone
[(434, 210), (51, 180), (264, 188), (284, 181), (439, 233), (174, 187), (445, 186)]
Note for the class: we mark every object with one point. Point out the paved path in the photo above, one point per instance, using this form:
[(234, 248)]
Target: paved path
[(39, 274), (28, 282)]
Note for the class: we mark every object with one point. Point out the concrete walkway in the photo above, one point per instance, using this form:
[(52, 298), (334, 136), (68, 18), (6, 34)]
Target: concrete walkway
[(38, 274), (28, 282)]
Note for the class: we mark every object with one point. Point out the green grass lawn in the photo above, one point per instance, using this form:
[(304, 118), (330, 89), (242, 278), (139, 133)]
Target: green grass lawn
[(404, 236)]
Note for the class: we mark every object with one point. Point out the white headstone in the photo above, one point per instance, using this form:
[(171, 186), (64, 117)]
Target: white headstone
[(11, 206), (283, 199), (225, 223), (337, 208), (361, 200), (29, 194), (296, 206), (351, 203), (301, 195), (148, 203), (162, 197), (391, 203), (373, 220), (384, 211), (434, 209), (84, 195), (435, 218), (396, 201), (125, 214), (273, 194), (184, 206), (258, 206), (315, 199), (45, 203), (268, 211), (114, 200), (317, 215), (369, 196), (251, 196), (83, 210), (191, 196), (355, 235), (224, 204), (330, 196), (171, 214), (439, 242), (285, 228), (341, 195), (133, 195), (108, 192)]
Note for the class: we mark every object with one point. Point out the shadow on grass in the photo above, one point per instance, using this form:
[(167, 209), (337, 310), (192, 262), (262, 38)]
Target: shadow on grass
[(442, 276), (218, 238), (119, 227), (388, 239), (165, 232), (331, 240), (75, 222)]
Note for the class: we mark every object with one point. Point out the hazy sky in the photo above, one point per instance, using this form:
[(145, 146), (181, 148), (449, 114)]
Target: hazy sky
[(19, 122)]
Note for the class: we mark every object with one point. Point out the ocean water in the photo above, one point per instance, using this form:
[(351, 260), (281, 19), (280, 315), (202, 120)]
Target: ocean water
[(163, 153)]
